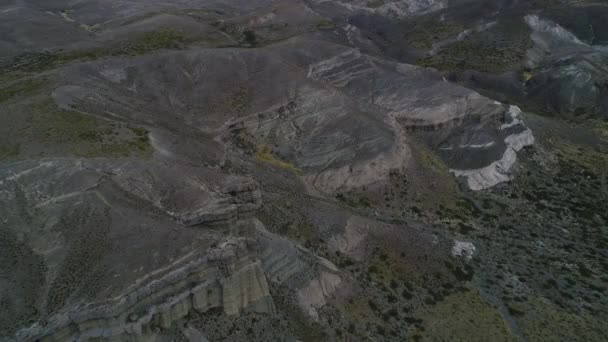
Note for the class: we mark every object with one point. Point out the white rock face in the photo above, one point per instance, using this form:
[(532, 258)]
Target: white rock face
[(549, 38), (573, 70), (394, 8), (463, 249), (488, 176), (551, 29), (244, 288), (405, 8), (314, 295), (355, 232), (499, 171)]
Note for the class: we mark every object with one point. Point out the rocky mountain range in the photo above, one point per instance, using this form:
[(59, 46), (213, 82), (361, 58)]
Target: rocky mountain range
[(303, 170)]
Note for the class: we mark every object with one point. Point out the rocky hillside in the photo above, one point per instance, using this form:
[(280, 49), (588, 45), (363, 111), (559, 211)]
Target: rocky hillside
[(303, 170)]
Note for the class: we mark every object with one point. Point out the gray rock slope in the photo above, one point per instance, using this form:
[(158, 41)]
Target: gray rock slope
[(339, 115), (283, 170)]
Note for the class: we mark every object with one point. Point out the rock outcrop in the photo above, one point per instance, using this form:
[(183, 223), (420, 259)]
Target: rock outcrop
[(463, 249), (315, 294), (499, 171), (227, 276), (391, 8), (288, 169), (341, 117), (567, 75)]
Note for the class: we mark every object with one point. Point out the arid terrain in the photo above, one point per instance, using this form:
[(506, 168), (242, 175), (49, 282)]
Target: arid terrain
[(303, 170)]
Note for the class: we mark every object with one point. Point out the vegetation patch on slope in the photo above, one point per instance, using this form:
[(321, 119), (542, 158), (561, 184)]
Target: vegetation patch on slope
[(463, 316), (21, 88), (425, 33), (38, 128), (146, 43), (264, 154), (495, 50)]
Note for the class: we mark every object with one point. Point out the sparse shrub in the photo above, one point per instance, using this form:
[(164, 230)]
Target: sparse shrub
[(249, 37)]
